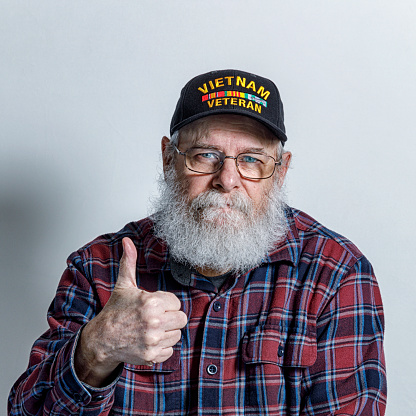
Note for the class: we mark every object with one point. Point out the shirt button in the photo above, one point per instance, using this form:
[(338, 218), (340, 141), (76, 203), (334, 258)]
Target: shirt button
[(280, 351), (212, 369), (217, 306), (77, 397), (99, 397)]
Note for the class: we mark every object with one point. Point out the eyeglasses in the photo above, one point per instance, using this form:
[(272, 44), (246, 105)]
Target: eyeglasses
[(249, 165)]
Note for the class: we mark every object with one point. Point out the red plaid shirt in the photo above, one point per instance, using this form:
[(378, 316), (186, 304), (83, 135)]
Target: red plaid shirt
[(300, 335)]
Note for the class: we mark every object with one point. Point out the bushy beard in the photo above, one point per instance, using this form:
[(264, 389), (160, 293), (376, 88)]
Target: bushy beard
[(218, 231)]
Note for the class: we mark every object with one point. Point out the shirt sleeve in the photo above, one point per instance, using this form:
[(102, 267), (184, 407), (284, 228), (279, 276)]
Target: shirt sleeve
[(349, 376), (50, 384)]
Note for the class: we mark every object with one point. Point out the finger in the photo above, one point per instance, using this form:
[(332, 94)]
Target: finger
[(174, 320), (170, 339), (170, 301), (127, 271), (163, 355)]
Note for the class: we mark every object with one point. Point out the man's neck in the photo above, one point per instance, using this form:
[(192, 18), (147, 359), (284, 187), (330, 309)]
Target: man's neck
[(211, 272)]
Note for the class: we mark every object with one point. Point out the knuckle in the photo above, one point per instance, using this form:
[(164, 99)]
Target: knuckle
[(149, 357), (155, 355), (152, 322), (152, 339), (163, 355), (171, 300), (155, 322), (151, 301)]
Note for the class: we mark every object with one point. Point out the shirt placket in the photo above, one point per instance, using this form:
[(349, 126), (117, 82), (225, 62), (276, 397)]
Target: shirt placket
[(211, 366)]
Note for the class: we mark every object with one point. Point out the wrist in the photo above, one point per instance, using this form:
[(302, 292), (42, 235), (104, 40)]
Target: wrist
[(92, 365)]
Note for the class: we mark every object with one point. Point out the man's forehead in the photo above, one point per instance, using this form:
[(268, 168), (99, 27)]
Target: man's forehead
[(204, 129)]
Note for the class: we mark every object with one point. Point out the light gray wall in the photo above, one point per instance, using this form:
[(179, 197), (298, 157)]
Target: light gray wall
[(88, 88)]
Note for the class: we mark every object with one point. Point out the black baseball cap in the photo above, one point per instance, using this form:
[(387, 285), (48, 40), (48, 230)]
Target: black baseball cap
[(230, 91)]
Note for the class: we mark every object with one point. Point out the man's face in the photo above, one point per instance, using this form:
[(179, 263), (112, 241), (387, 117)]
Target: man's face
[(230, 134), (220, 221)]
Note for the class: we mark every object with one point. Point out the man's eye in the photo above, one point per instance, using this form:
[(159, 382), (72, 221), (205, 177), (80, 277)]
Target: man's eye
[(249, 159), (207, 155)]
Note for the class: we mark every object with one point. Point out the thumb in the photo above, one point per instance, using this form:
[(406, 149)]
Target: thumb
[(127, 271)]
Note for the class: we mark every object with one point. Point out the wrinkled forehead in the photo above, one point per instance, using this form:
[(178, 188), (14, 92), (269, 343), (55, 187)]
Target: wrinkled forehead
[(206, 127)]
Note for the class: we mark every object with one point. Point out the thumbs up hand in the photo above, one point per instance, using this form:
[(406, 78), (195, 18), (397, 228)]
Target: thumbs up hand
[(135, 327)]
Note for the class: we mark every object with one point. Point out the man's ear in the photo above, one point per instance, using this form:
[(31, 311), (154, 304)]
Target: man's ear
[(166, 156), (286, 158)]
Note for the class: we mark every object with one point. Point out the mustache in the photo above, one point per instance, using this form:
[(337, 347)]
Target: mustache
[(216, 199)]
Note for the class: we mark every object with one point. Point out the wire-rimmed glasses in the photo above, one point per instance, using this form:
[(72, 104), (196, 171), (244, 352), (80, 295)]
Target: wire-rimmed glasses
[(249, 165)]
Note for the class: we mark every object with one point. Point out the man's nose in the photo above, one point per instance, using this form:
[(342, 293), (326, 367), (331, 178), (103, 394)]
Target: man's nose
[(227, 178)]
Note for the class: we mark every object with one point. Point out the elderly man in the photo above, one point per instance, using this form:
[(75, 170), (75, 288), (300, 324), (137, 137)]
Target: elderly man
[(226, 301)]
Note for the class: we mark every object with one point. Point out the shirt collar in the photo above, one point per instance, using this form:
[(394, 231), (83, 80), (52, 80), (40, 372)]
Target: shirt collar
[(289, 248)]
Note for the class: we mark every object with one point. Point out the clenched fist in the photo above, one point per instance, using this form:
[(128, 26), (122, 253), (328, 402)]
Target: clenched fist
[(135, 327)]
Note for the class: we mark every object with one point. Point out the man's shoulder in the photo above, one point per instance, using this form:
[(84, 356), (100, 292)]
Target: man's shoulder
[(109, 246), (310, 231), (136, 230)]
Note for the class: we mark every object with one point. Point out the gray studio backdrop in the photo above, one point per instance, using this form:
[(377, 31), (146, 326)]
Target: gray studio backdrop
[(88, 88)]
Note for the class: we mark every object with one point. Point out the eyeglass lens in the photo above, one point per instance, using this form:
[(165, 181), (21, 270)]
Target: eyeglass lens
[(250, 165)]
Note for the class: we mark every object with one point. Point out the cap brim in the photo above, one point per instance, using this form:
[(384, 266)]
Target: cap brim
[(276, 131)]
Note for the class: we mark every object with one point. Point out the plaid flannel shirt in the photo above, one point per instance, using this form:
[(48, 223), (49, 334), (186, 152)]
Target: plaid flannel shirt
[(302, 334)]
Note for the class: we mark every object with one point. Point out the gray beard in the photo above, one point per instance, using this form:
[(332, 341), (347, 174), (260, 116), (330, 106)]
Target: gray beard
[(218, 231)]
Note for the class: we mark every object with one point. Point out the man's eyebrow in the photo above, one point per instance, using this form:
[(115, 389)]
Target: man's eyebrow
[(202, 145), (255, 150)]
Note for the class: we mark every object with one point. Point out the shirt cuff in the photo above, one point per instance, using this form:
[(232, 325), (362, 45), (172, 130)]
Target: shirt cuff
[(71, 392)]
